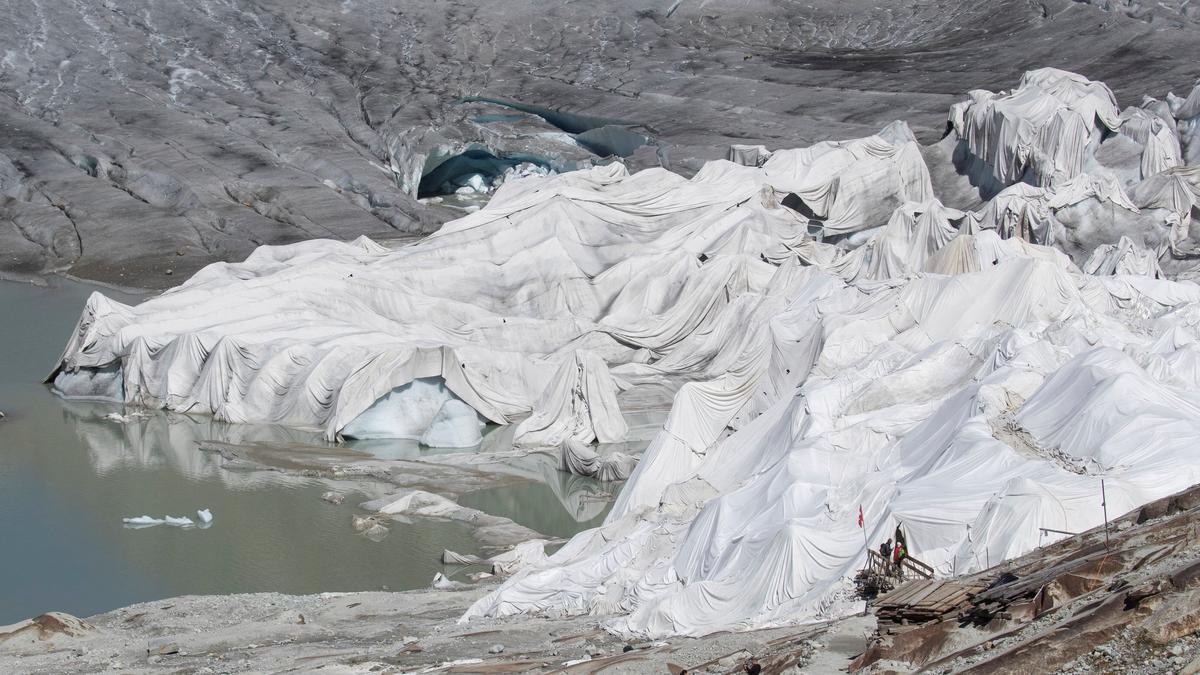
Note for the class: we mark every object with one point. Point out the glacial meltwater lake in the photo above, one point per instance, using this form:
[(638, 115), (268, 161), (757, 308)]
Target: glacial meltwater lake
[(68, 476)]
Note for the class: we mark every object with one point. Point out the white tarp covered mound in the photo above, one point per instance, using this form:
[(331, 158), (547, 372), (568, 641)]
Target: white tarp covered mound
[(1043, 130), (847, 186), (522, 307), (835, 337), (971, 409)]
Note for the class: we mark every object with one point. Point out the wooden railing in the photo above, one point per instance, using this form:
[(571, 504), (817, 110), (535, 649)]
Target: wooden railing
[(916, 567), (877, 564), (910, 568)]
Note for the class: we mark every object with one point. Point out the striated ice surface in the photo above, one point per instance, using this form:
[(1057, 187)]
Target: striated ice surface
[(456, 425), (407, 411)]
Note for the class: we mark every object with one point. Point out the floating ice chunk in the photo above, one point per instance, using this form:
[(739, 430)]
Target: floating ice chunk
[(376, 532), (175, 521), (478, 183), (472, 184), (142, 521), (456, 425), (125, 419), (441, 582), (204, 515)]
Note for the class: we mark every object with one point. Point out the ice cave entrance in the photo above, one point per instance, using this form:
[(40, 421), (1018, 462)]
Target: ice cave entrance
[(423, 410), (474, 170)]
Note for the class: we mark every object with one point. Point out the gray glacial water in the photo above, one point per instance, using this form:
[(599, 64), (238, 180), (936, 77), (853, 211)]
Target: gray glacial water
[(68, 476)]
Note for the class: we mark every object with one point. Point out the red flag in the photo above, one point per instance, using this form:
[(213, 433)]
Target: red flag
[(860, 518)]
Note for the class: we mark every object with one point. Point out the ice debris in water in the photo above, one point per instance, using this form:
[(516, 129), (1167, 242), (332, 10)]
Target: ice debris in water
[(125, 419), (442, 582), (138, 522), (142, 520)]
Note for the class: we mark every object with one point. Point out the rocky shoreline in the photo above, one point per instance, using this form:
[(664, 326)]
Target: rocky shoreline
[(1133, 613)]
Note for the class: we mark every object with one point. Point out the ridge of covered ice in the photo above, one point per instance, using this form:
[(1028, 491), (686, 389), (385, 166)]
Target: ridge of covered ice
[(834, 336)]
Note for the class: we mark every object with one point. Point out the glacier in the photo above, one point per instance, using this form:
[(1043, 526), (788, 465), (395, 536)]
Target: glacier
[(834, 335)]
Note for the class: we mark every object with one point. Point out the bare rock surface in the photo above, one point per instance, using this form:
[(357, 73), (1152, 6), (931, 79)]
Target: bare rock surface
[(140, 140)]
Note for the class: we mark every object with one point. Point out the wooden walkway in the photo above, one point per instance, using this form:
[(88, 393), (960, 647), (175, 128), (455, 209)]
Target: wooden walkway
[(881, 576), (925, 600)]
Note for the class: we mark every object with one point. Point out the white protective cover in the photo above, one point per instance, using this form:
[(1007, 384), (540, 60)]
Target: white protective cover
[(1047, 126), (518, 308), (941, 370), (853, 185)]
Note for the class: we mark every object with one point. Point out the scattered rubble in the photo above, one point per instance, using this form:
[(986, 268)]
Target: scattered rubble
[(1126, 602)]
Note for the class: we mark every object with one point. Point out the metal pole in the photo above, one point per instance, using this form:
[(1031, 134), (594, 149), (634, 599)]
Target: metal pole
[(1104, 505)]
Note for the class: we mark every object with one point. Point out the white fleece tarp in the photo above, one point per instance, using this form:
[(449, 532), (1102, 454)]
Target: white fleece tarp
[(579, 404), (587, 268), (853, 185), (1044, 128), (941, 369), (926, 405), (581, 460), (1124, 257)]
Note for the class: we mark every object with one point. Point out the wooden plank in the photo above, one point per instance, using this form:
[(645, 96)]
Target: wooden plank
[(902, 594), (957, 599), (945, 595), (934, 597), (931, 588)]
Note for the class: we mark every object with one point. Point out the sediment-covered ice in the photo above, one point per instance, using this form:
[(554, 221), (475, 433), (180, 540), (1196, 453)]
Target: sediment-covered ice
[(834, 335)]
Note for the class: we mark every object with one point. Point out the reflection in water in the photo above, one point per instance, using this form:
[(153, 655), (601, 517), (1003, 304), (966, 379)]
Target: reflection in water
[(68, 477), (582, 502), (547, 500), (403, 448), (586, 505), (160, 440)]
